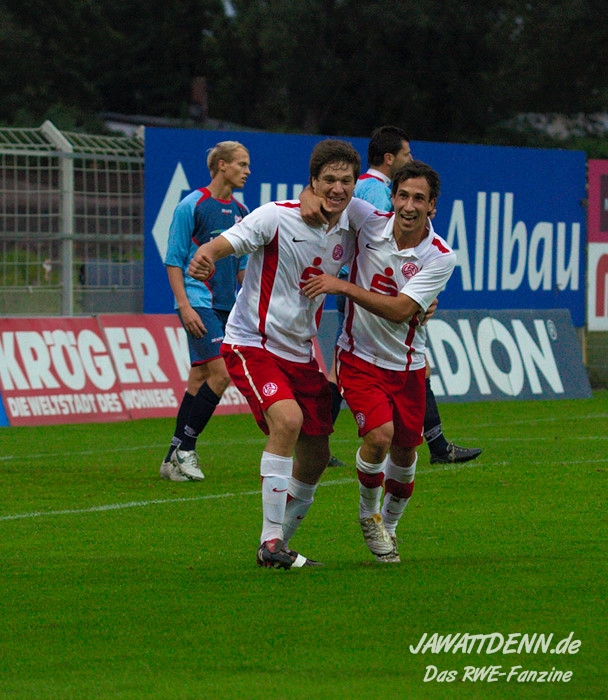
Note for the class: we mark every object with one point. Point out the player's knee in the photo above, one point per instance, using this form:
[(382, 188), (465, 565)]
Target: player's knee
[(194, 384), (219, 382), (290, 425), (378, 442), (285, 421)]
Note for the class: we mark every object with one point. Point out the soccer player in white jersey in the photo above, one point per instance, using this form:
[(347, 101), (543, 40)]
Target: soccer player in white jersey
[(268, 342), (388, 150), (399, 267)]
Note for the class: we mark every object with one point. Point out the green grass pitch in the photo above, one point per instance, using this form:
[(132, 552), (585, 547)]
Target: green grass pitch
[(117, 584)]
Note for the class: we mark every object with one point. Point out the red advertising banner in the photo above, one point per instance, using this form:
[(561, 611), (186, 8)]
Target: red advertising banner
[(598, 201), (151, 360), (57, 370), (597, 252), (84, 370), (152, 363)]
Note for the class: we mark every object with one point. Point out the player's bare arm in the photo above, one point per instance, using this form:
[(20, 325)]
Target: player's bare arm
[(397, 309), (190, 318), (202, 265)]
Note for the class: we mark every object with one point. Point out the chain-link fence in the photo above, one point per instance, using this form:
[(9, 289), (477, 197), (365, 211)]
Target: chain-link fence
[(71, 222)]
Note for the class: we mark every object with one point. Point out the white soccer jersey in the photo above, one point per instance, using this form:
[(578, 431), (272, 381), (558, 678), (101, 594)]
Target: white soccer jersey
[(378, 265), (270, 310)]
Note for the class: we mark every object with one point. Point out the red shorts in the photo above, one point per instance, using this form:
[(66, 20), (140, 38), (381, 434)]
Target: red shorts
[(264, 379), (377, 396)]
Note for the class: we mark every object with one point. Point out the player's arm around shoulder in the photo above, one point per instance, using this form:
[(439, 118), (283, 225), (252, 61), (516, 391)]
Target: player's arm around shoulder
[(359, 211)]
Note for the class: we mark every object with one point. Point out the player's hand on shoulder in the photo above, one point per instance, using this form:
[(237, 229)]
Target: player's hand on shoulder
[(311, 208)]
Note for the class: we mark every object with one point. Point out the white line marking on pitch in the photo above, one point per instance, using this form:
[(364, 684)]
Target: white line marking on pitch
[(206, 497), (217, 496), (253, 441)]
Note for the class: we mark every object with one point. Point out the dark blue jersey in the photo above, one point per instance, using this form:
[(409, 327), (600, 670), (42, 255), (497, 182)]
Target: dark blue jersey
[(197, 219)]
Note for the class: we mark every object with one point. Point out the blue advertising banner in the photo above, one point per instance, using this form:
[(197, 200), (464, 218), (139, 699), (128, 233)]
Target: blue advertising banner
[(515, 216), (499, 355), (175, 164), (483, 355)]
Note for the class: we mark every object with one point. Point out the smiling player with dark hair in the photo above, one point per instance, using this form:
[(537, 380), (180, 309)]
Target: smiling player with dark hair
[(399, 268)]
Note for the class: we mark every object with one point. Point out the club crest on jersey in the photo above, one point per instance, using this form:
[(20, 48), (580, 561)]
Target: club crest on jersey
[(338, 252), (237, 218), (270, 389), (360, 419), (408, 270)]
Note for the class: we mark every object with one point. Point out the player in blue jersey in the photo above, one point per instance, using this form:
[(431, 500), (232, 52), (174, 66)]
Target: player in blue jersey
[(203, 307)]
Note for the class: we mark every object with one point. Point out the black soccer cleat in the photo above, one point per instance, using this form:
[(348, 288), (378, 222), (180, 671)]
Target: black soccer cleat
[(335, 462), (299, 560), (273, 555), (455, 454)]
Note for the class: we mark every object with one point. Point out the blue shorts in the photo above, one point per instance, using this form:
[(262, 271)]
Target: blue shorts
[(207, 348)]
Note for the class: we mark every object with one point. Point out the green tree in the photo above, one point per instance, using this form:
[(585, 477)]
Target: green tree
[(117, 56), (445, 70)]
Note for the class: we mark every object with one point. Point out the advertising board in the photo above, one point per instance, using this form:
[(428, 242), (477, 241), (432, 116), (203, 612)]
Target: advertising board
[(515, 216)]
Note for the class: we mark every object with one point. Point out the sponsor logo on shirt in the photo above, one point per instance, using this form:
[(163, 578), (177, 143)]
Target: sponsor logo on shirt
[(310, 272), (384, 284)]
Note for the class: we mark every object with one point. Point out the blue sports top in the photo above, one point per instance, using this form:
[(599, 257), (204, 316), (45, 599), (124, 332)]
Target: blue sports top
[(197, 219), (374, 188)]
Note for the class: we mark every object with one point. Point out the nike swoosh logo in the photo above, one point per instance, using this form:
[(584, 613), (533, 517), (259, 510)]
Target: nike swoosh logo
[(298, 240), (276, 490), (367, 245)]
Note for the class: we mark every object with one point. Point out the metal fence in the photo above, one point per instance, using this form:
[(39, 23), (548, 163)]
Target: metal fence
[(71, 222)]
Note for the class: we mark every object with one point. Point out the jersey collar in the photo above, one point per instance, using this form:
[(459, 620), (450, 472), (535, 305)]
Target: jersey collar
[(416, 252), (379, 175)]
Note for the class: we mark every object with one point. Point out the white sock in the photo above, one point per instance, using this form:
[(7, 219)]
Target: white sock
[(275, 471), (370, 485), (299, 500), (399, 484)]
